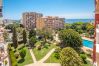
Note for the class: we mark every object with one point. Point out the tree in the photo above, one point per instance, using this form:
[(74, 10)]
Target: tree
[(70, 38), (77, 27), (24, 37), (5, 35), (90, 29), (32, 41), (14, 38), (84, 27), (10, 26), (46, 35), (23, 53), (69, 57), (67, 26), (32, 33)]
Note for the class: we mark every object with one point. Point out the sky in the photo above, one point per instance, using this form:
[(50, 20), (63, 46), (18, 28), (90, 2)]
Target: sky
[(69, 9)]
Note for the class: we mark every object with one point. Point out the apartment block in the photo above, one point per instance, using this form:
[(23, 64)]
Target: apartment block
[(96, 35), (29, 19), (50, 22), (1, 22), (40, 23), (1, 13)]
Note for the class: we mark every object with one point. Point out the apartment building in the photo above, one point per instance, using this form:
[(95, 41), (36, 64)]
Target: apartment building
[(1, 13), (96, 35), (40, 23), (50, 22), (29, 19)]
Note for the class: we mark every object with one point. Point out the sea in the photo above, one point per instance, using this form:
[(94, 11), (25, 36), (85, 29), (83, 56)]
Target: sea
[(78, 20)]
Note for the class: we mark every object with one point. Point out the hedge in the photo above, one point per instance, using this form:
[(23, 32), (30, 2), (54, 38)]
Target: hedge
[(13, 59)]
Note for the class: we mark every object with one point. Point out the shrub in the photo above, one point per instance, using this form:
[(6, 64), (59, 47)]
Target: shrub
[(13, 59), (23, 53), (32, 41), (57, 50), (9, 46), (39, 47), (83, 56), (57, 55), (5, 62), (46, 45), (17, 55)]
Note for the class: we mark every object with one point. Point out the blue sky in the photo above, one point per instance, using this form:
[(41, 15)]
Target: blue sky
[(70, 9)]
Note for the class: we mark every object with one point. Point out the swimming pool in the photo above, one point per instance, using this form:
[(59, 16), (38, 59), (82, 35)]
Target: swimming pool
[(87, 43)]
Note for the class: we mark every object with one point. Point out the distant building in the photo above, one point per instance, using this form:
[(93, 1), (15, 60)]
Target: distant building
[(50, 22), (40, 23), (1, 13), (7, 21), (29, 19)]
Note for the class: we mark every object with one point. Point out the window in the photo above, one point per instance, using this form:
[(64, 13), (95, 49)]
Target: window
[(0, 10)]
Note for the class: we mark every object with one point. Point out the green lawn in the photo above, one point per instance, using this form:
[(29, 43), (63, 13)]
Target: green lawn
[(52, 59), (27, 59), (39, 54), (88, 64)]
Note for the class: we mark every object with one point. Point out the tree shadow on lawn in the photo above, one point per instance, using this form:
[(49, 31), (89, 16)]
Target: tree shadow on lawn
[(21, 60)]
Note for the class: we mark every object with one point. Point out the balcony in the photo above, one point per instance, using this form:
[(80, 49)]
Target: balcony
[(97, 34), (97, 38)]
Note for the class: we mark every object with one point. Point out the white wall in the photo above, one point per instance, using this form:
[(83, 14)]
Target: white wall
[(97, 36)]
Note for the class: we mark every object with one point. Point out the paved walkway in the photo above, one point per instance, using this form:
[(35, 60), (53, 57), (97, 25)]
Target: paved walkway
[(32, 55), (40, 63), (44, 64), (47, 55)]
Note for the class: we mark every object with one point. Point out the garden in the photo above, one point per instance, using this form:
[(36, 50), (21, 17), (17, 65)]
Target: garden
[(67, 52), (20, 56), (40, 51)]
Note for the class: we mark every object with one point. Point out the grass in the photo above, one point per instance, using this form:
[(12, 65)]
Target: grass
[(39, 54), (88, 64), (52, 59), (27, 59)]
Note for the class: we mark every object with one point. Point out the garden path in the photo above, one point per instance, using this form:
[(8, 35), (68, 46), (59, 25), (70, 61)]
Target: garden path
[(40, 63), (33, 56), (47, 56)]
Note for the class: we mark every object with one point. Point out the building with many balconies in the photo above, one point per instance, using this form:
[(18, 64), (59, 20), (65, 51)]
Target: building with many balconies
[(96, 35), (1, 13), (50, 22), (29, 19)]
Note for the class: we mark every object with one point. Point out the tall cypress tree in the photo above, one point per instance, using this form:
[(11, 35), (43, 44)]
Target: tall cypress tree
[(14, 38), (32, 33), (24, 37)]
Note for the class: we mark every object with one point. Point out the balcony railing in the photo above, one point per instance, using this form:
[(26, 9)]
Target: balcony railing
[(97, 34)]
